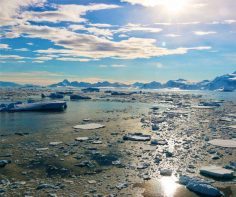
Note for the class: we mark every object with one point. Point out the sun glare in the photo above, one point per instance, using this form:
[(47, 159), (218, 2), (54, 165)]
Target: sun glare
[(169, 186), (175, 6)]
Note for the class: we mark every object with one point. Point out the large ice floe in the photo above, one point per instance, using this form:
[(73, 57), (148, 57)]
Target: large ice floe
[(223, 143), (217, 172)]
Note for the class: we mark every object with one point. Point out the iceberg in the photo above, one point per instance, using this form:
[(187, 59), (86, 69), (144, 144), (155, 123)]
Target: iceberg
[(35, 106), (39, 106)]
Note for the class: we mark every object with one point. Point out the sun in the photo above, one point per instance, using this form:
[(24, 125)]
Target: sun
[(175, 6)]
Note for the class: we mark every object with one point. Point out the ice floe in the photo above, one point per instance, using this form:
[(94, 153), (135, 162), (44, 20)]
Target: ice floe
[(216, 172), (223, 143), (89, 126)]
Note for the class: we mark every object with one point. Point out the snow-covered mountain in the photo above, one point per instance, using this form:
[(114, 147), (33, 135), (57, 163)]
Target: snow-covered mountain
[(224, 83), (9, 84)]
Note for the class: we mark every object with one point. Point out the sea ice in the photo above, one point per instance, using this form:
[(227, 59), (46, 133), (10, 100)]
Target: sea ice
[(223, 143), (216, 172), (199, 186), (89, 126), (137, 137)]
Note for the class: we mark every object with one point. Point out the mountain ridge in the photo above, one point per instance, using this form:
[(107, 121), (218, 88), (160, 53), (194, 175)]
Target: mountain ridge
[(225, 82)]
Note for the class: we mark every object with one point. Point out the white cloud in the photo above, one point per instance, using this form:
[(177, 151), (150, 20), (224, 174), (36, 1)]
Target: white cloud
[(93, 30), (11, 9), (203, 33), (22, 49), (66, 12), (4, 46), (123, 36), (100, 25), (172, 35), (73, 59), (42, 58), (16, 57), (113, 66), (118, 66), (144, 2), (137, 27), (229, 21), (38, 61)]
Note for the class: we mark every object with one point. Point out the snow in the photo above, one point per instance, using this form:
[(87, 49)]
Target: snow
[(223, 143), (89, 126)]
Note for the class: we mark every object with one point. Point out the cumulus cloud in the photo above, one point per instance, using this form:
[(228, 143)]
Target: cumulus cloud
[(67, 12), (93, 30), (11, 9)]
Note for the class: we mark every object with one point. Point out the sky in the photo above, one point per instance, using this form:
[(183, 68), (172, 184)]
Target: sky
[(46, 41)]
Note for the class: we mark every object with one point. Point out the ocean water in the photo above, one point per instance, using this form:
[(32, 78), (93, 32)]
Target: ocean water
[(79, 110), (74, 114)]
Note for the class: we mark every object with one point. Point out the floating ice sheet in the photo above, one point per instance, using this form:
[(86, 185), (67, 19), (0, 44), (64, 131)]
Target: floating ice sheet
[(224, 143), (216, 171), (89, 126)]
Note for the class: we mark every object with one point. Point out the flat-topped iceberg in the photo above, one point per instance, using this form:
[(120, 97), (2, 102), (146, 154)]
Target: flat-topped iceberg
[(223, 143), (35, 106)]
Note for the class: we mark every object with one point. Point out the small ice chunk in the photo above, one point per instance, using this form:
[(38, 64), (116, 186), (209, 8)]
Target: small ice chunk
[(121, 185), (41, 149), (137, 137), (82, 139), (166, 172), (232, 126), (89, 126), (92, 181), (55, 143), (223, 143)]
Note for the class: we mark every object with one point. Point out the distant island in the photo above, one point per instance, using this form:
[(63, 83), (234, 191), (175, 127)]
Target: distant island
[(225, 82)]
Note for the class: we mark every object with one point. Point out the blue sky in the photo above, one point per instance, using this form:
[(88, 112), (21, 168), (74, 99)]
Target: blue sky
[(45, 41)]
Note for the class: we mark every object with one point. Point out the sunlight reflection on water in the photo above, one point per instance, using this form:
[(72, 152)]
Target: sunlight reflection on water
[(169, 185)]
